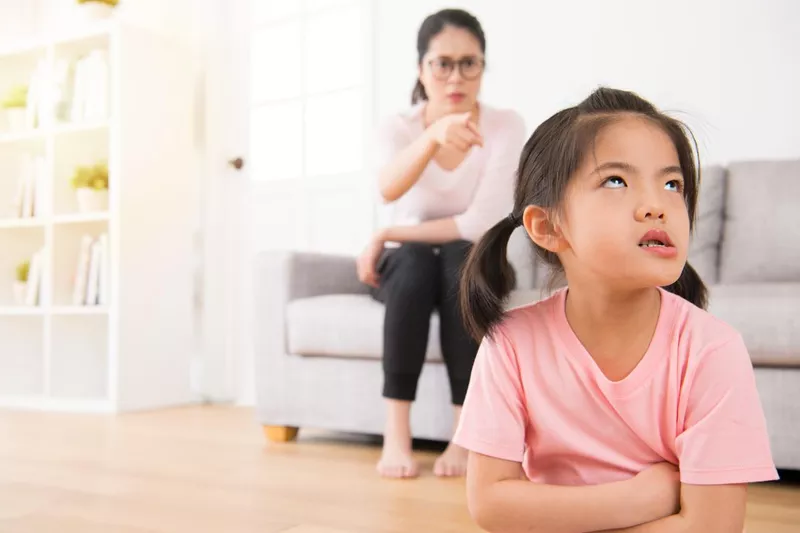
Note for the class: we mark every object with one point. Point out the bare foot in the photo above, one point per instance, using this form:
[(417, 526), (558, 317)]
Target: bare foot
[(452, 463), (397, 460)]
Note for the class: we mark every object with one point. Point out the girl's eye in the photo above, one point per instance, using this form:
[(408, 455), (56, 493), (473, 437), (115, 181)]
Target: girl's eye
[(674, 185), (614, 182)]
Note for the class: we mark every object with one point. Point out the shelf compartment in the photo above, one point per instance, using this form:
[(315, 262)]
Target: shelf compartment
[(18, 70), (18, 245), (24, 181), (79, 357), (68, 240), (22, 356), (87, 62), (80, 147)]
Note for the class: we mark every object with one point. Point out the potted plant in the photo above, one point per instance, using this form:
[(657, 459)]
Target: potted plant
[(20, 288), (97, 9), (14, 105), (91, 187)]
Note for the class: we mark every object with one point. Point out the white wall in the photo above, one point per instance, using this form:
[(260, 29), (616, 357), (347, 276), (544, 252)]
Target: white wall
[(728, 67)]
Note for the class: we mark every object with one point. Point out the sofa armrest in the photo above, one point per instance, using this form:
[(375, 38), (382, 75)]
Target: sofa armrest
[(304, 275), (281, 277)]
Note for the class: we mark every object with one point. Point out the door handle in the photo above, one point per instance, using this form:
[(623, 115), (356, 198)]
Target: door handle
[(237, 163)]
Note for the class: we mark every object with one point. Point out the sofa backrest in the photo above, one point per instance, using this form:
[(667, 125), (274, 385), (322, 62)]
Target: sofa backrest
[(746, 228), (761, 233), (522, 258), (705, 241)]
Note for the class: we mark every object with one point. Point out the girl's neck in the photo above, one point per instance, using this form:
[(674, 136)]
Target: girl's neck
[(600, 305), (611, 322)]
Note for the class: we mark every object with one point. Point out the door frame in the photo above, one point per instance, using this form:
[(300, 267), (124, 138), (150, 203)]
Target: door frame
[(225, 373)]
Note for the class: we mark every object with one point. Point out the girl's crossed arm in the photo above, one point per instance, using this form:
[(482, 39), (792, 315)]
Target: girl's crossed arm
[(704, 509), (502, 500)]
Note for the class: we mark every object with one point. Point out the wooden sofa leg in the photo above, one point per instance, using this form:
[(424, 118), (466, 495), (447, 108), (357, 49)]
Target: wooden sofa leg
[(280, 433)]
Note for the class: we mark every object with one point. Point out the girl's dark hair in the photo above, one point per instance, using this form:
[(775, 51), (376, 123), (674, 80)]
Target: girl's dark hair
[(432, 26), (549, 159)]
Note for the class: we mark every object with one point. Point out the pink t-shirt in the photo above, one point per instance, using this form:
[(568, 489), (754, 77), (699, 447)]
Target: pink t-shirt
[(537, 397)]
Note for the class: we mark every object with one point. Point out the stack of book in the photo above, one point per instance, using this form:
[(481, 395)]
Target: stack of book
[(34, 283), (30, 187), (91, 284), (72, 91)]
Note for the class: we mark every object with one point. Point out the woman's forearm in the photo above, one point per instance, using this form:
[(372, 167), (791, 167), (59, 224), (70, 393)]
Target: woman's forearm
[(432, 231), (517, 506), (405, 169)]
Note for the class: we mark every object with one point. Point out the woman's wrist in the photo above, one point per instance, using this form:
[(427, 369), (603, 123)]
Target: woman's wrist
[(430, 137), (380, 237)]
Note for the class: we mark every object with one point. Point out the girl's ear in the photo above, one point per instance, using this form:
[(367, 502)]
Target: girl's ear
[(543, 230)]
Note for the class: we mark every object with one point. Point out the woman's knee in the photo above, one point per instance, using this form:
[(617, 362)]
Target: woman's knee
[(416, 267)]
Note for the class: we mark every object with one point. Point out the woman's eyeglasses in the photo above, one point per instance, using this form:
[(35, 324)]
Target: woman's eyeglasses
[(469, 67)]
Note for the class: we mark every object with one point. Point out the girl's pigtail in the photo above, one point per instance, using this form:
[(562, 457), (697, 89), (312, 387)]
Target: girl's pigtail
[(690, 287), (487, 279)]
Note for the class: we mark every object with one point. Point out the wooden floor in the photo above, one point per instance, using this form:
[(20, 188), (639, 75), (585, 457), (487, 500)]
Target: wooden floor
[(204, 470)]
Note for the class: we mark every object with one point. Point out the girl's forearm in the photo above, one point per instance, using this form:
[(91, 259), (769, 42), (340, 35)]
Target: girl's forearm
[(517, 506)]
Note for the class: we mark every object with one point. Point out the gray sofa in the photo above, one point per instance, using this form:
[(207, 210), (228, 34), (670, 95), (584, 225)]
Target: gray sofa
[(319, 334)]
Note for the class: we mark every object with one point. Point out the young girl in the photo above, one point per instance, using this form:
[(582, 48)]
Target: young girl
[(580, 405)]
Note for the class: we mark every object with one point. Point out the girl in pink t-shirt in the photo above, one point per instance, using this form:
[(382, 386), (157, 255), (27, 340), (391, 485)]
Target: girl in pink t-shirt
[(618, 402)]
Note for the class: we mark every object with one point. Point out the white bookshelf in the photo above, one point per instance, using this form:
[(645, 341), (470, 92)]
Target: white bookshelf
[(133, 351)]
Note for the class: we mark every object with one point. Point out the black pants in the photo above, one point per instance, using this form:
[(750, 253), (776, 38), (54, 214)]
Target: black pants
[(414, 281)]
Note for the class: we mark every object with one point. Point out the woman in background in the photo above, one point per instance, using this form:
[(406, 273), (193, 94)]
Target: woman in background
[(446, 169)]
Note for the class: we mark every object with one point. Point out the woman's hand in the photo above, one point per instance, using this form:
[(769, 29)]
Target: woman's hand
[(367, 262), (457, 130)]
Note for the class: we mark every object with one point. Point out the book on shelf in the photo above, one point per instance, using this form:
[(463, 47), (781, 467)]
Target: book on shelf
[(34, 284), (31, 181), (69, 91), (91, 283), (89, 95)]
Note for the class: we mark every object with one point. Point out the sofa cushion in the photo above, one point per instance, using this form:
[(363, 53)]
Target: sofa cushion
[(704, 246), (351, 325), (347, 325), (761, 232), (343, 325), (768, 317)]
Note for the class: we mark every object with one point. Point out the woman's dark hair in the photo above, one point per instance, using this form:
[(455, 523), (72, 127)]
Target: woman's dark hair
[(432, 26), (549, 159)]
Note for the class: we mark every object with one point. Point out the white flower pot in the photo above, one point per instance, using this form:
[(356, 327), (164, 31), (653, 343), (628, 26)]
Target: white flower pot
[(96, 11), (20, 290), (92, 200), (15, 117)]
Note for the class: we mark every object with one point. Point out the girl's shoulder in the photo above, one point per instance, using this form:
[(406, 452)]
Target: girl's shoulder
[(527, 311), (697, 331)]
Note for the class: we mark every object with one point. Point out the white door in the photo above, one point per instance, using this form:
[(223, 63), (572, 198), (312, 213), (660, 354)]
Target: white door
[(288, 127)]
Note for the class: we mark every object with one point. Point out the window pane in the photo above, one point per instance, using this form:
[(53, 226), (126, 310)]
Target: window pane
[(334, 50), (342, 221), (275, 62), (276, 141), (271, 10), (278, 220), (334, 133), (317, 5)]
